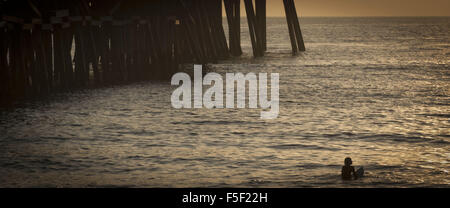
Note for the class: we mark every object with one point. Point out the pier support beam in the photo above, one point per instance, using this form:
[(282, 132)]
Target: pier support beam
[(255, 29), (261, 17), (294, 27), (5, 75), (233, 11)]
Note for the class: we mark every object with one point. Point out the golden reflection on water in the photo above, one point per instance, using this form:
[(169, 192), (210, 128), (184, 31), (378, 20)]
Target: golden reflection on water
[(379, 94)]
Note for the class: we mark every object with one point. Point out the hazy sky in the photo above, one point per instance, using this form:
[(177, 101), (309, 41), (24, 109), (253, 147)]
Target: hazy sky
[(363, 7)]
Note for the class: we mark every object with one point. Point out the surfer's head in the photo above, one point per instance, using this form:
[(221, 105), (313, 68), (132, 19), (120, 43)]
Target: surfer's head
[(348, 161)]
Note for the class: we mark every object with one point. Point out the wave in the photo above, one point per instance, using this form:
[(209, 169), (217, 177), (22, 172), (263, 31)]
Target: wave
[(435, 115), (301, 146)]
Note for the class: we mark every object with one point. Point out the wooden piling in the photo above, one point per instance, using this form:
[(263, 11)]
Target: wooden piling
[(294, 27), (254, 29), (5, 75), (232, 9), (218, 25), (260, 6), (298, 32), (190, 26), (41, 82)]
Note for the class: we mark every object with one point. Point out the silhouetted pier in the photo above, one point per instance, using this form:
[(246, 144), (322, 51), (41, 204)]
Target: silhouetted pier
[(52, 45)]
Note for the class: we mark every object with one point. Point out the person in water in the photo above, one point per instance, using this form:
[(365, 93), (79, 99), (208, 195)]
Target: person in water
[(348, 170)]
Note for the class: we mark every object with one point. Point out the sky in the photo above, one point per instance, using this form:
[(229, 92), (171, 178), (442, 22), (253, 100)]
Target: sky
[(335, 8)]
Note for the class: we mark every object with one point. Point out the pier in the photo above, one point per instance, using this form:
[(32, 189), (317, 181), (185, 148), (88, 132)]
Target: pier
[(49, 46)]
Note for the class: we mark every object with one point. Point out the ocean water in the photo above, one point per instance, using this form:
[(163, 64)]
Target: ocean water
[(374, 89)]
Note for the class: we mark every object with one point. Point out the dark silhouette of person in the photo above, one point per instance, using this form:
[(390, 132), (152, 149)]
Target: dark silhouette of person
[(348, 170)]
